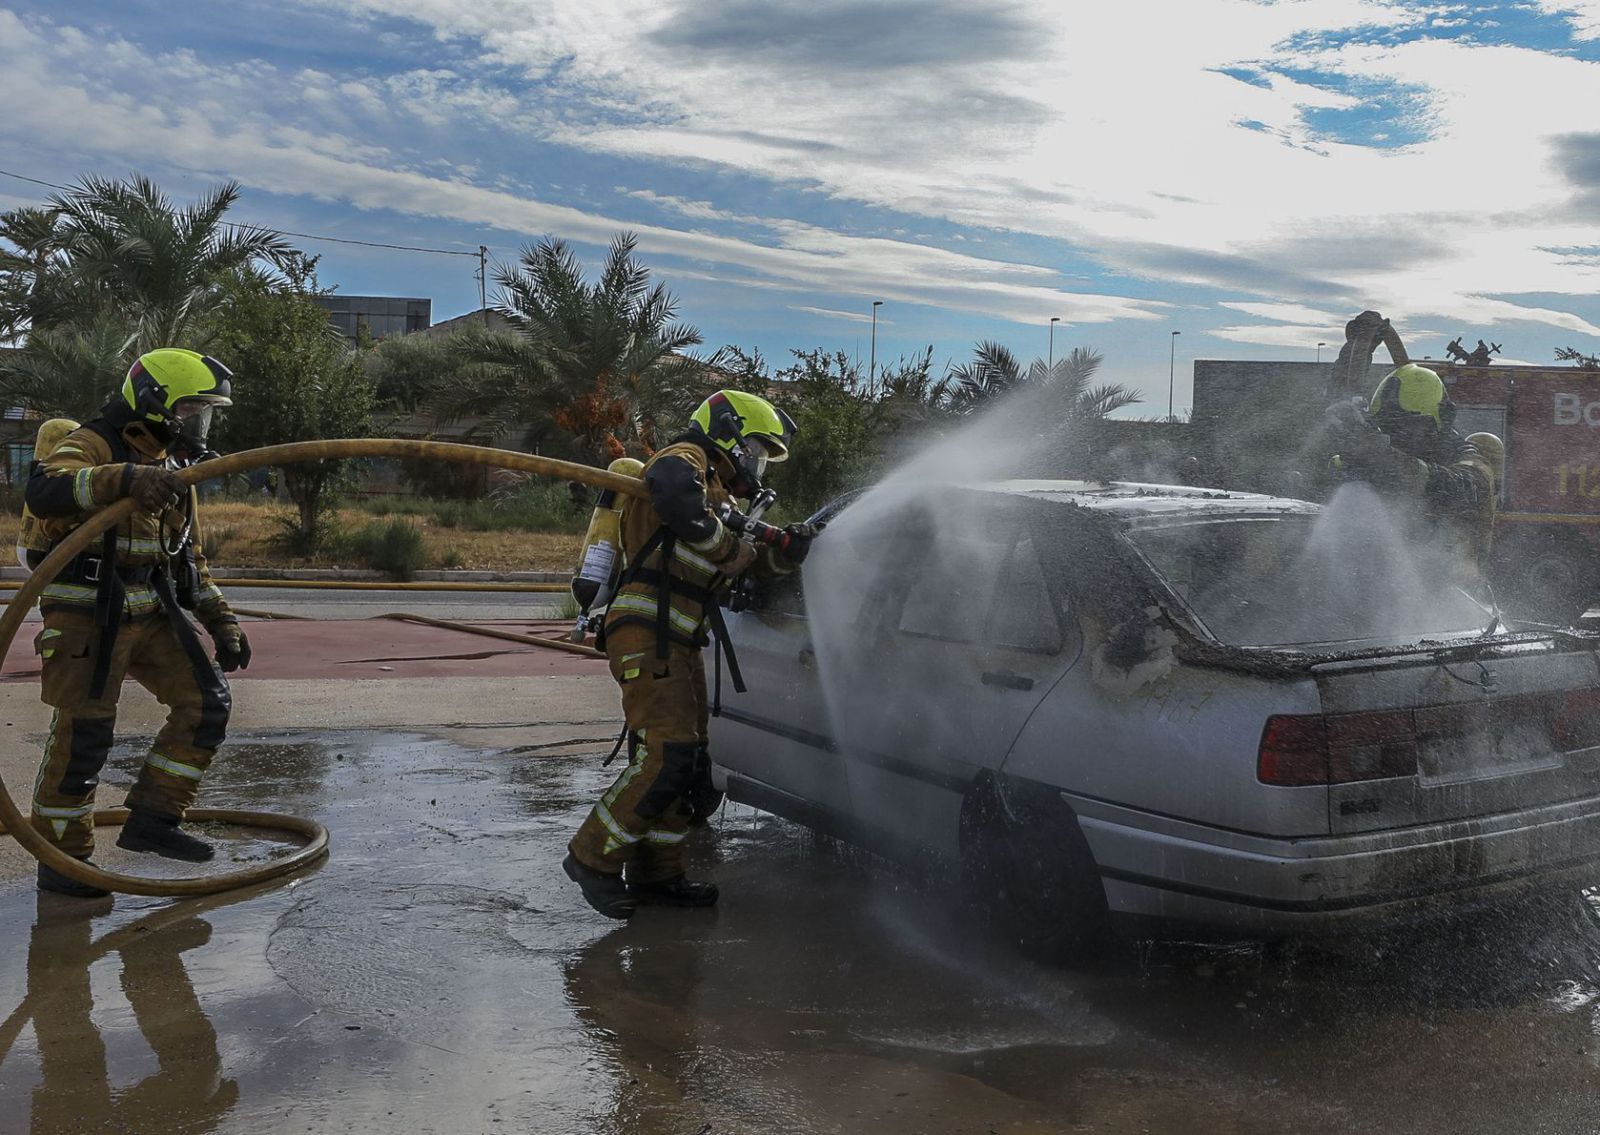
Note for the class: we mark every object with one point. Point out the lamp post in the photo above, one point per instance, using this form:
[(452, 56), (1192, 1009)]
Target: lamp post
[(1050, 361), (872, 367), (1319, 351), (1172, 355)]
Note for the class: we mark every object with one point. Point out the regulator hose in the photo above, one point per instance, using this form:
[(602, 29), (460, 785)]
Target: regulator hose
[(316, 845)]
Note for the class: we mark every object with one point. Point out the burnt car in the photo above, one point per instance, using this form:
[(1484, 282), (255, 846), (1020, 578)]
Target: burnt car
[(1211, 708)]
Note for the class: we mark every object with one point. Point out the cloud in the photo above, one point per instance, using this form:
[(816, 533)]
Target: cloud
[(248, 139), (850, 35), (1583, 14), (851, 316)]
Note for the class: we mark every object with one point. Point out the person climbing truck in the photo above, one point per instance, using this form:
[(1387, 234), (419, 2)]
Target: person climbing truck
[(120, 611), (1405, 445), (682, 548)]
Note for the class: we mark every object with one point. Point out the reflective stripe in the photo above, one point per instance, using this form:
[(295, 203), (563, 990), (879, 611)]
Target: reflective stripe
[(83, 488), (647, 606), (66, 450), (76, 812), (176, 768), (700, 563), (661, 835), (710, 542), (209, 591), (618, 833), (140, 598)]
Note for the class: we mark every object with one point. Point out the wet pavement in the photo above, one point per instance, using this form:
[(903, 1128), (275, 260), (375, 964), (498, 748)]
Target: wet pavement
[(438, 974)]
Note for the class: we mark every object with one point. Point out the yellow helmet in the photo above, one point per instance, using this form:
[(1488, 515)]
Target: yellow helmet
[(175, 391), (751, 430), (1413, 389)]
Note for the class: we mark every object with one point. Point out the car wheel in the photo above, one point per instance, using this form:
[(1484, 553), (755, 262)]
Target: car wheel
[(1543, 576), (1027, 866)]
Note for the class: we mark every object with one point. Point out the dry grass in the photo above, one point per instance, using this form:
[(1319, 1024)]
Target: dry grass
[(247, 539)]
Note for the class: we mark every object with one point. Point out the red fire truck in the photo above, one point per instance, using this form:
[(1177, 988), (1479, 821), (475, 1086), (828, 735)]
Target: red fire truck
[(1547, 535)]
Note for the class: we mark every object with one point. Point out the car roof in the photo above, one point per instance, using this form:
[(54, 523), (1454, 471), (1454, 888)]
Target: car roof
[(1132, 500)]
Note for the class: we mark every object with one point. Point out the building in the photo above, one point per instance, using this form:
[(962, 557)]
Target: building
[(381, 316), (487, 318)]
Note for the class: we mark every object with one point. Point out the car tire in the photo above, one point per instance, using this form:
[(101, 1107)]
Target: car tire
[(1028, 868), (1548, 577)]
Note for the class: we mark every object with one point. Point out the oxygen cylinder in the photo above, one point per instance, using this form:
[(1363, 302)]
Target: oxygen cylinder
[(602, 547), (32, 543)]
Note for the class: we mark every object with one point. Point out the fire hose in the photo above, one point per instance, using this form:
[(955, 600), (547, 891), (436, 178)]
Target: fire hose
[(316, 836)]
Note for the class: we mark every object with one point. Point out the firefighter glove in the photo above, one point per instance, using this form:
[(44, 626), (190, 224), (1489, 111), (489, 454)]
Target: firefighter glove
[(233, 648), (797, 541), (153, 486)]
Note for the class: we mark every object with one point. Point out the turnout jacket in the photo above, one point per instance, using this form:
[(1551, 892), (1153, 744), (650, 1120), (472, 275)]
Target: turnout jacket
[(676, 539), (87, 471)]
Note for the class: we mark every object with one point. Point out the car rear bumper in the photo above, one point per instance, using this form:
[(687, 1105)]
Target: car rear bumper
[(1162, 868)]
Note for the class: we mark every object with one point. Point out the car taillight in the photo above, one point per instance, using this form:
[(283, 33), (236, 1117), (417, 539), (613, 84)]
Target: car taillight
[(1339, 748), (1294, 751), (1577, 723)]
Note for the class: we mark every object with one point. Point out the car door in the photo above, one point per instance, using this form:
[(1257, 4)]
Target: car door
[(775, 734), (949, 664)]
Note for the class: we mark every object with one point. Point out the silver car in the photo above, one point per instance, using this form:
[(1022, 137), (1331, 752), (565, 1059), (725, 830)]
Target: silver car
[(1161, 702)]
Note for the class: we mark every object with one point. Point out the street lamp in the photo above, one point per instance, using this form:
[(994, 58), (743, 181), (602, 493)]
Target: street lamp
[(872, 371), (1051, 360), (1172, 354), (1319, 352)]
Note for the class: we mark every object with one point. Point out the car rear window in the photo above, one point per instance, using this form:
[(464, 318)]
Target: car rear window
[(1269, 582)]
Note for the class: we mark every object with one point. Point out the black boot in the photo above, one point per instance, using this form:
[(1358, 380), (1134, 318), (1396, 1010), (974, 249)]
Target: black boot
[(52, 880), (145, 831), (676, 892), (608, 894)]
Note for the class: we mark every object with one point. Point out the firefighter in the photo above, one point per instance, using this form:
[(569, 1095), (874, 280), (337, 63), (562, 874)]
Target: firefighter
[(118, 610), (1405, 445), (682, 550)]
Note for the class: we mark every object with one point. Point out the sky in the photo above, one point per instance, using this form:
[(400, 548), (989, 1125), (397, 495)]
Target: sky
[(1247, 173)]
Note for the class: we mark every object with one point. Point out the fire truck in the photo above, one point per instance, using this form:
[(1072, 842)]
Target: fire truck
[(1251, 418), (1547, 533)]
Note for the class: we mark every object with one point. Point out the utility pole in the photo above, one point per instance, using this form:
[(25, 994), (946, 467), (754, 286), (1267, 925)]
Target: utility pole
[(1050, 360), (483, 282), (1172, 355), (872, 371), (1319, 352)]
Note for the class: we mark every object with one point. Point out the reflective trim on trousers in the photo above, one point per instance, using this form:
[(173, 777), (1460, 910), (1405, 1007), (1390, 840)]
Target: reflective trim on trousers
[(176, 768), (616, 830)]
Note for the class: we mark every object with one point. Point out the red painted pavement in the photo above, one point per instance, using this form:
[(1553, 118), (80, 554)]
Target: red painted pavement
[(371, 648)]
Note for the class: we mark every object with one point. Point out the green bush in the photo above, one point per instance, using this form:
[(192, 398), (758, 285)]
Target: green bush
[(394, 547)]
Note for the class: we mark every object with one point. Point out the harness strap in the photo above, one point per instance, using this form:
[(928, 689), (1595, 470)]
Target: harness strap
[(109, 599)]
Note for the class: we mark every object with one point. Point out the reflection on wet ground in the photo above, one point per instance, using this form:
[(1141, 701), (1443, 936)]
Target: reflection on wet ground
[(438, 975)]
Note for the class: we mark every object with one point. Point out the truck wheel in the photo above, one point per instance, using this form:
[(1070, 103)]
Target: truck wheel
[(1548, 577), (1027, 866)]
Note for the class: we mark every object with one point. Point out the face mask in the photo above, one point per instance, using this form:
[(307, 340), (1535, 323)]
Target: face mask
[(195, 430)]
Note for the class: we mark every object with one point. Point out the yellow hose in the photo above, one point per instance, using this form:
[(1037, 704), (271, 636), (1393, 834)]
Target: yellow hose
[(91, 529)]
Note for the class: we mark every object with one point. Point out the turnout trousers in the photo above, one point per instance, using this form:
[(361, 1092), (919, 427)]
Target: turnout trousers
[(640, 821), (168, 661)]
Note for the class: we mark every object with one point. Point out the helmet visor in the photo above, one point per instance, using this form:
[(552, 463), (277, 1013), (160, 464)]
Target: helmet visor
[(194, 422)]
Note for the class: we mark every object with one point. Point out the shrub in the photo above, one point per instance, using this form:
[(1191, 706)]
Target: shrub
[(394, 547), (215, 540)]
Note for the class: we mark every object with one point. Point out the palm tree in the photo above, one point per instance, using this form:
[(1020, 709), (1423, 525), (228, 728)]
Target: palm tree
[(995, 372), (66, 372), (125, 246), (603, 362)]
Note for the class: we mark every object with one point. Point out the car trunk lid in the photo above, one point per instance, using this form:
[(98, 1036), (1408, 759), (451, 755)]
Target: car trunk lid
[(1427, 736)]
